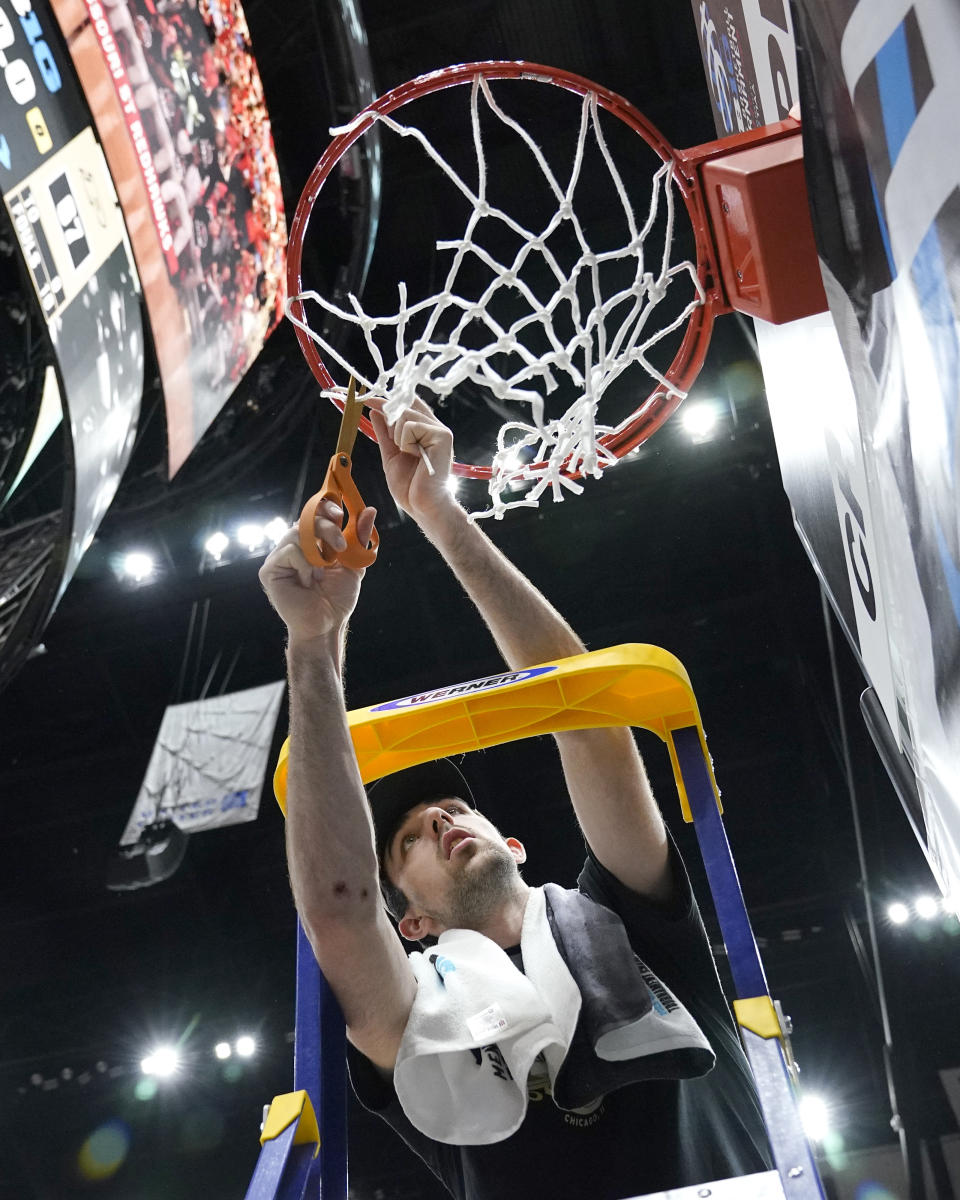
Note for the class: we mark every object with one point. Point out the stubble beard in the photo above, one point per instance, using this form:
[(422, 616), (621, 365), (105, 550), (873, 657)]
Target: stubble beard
[(481, 887)]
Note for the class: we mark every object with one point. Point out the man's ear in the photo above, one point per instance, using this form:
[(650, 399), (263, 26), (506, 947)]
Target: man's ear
[(409, 927), (416, 926), (517, 850)]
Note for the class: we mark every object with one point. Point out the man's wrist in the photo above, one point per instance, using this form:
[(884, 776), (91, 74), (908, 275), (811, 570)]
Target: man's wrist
[(445, 523), (316, 649)]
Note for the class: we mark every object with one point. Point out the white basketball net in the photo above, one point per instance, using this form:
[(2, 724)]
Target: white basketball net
[(421, 348)]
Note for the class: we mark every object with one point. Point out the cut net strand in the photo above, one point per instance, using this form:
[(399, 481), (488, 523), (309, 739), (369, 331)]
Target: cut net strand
[(610, 333)]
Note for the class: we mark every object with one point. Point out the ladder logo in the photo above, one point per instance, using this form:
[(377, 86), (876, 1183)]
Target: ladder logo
[(464, 689)]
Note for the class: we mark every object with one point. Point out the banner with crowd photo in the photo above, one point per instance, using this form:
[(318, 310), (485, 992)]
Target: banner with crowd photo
[(208, 763), (880, 92), (63, 209), (178, 102)]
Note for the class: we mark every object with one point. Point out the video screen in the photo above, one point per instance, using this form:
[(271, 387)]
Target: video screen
[(178, 101)]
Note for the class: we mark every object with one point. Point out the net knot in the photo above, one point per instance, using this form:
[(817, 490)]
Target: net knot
[(654, 289)]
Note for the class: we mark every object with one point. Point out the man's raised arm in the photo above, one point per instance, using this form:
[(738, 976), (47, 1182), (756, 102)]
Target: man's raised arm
[(329, 834), (603, 769)]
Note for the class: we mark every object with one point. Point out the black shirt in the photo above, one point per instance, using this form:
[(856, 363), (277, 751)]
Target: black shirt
[(646, 1137)]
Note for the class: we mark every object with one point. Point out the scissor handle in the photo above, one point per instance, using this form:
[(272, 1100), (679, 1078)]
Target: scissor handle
[(339, 487)]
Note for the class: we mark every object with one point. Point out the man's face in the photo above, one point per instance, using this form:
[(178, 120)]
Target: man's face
[(453, 865)]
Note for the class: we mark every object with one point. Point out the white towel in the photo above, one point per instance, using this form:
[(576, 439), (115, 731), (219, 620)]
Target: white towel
[(477, 1023), (476, 1026)]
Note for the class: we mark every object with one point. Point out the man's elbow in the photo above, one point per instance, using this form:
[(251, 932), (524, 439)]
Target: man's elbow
[(336, 904)]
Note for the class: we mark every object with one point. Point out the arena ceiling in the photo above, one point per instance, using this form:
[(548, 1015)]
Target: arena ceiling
[(688, 545)]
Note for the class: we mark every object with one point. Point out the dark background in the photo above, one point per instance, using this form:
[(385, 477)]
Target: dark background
[(688, 546)]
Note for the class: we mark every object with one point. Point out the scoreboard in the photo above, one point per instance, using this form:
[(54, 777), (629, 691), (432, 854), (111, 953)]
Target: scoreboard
[(35, 120), (64, 211)]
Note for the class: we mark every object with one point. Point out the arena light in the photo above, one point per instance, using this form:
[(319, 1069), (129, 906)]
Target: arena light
[(699, 420), (163, 1062), (245, 1046), (275, 529), (453, 484), (251, 537), (222, 1050), (898, 913), (815, 1116), (215, 544), (926, 907), (138, 566)]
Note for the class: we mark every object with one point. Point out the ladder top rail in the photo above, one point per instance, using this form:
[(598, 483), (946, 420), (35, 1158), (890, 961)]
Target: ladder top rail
[(633, 684)]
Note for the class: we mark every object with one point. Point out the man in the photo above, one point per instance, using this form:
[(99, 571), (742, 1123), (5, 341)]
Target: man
[(447, 869)]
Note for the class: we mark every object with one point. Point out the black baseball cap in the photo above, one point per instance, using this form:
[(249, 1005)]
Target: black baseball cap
[(392, 797)]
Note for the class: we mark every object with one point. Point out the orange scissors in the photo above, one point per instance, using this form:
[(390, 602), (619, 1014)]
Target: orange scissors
[(339, 487)]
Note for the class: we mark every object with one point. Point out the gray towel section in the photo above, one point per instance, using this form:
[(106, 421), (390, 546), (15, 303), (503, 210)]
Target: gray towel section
[(631, 1027)]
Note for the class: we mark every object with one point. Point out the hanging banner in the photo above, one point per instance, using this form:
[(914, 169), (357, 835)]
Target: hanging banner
[(68, 224), (749, 59), (63, 208), (880, 91), (208, 763), (865, 402)]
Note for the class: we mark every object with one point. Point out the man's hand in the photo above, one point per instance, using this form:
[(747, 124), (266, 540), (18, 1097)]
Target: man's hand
[(416, 439), (314, 602)]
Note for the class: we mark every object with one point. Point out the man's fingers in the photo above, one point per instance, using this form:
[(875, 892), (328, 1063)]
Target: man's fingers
[(417, 430), (328, 524), (365, 524), (418, 407), (385, 440), (415, 436), (287, 558), (421, 406)]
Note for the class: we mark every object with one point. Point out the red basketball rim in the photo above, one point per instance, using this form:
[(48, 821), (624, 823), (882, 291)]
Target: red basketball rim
[(662, 401)]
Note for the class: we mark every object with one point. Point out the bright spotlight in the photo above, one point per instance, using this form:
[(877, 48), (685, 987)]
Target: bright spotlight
[(138, 566), (898, 913), (163, 1062), (699, 420), (215, 544), (926, 907), (222, 1050), (245, 1046), (275, 529), (815, 1117), (453, 484), (251, 537)]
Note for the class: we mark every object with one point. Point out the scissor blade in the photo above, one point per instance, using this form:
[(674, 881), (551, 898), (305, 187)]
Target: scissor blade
[(350, 420)]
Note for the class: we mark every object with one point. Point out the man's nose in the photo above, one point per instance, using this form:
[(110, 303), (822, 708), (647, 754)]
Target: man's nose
[(438, 820)]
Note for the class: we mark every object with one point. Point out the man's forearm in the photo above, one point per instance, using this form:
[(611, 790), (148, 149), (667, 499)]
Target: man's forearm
[(525, 625), (330, 846)]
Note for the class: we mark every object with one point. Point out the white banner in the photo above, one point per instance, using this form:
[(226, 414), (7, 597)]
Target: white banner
[(209, 762), (878, 503)]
